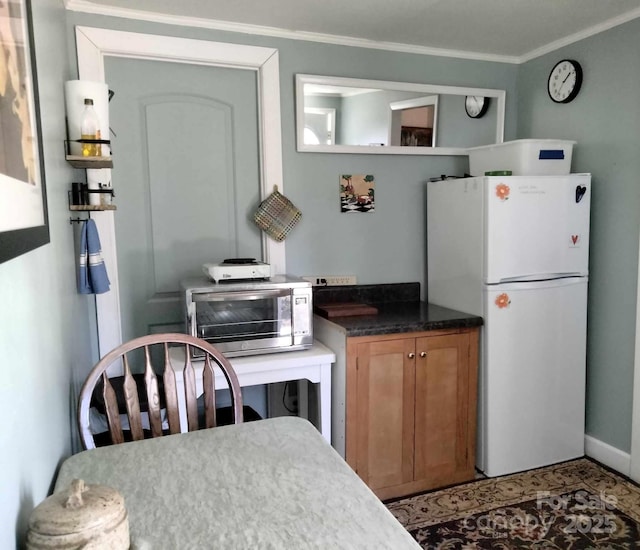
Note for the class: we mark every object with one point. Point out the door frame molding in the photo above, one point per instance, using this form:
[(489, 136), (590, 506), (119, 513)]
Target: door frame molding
[(634, 466), (94, 44)]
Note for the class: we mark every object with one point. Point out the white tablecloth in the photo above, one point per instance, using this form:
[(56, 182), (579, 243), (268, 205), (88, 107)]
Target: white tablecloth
[(273, 483)]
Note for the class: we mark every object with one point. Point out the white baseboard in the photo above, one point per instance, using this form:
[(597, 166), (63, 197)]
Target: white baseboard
[(606, 454)]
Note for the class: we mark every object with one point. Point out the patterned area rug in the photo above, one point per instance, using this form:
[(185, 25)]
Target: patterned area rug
[(569, 506)]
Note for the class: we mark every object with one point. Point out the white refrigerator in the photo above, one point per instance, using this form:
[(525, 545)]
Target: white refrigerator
[(515, 250)]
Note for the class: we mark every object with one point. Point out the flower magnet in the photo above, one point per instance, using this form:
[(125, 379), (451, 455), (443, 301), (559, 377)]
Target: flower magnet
[(502, 191), (503, 300)]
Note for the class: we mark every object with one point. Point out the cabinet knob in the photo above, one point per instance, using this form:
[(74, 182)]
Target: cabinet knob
[(411, 355), (423, 354)]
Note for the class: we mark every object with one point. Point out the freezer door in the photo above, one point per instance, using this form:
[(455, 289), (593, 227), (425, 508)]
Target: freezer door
[(536, 226), (532, 379)]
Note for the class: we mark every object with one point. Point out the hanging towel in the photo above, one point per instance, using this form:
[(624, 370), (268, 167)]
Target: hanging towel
[(92, 273)]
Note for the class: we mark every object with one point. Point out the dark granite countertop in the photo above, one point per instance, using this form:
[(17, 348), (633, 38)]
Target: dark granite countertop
[(399, 310)]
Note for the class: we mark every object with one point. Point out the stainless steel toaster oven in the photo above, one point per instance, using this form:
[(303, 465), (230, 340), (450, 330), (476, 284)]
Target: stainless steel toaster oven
[(251, 317)]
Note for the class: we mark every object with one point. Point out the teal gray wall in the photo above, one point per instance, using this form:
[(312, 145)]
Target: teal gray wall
[(46, 328), (605, 121)]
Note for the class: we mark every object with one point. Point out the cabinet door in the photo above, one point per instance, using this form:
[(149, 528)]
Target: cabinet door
[(385, 413), (443, 419)]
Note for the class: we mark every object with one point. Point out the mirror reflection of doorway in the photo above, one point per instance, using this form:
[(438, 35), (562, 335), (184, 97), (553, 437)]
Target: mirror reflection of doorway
[(414, 122), (319, 126), (416, 127)]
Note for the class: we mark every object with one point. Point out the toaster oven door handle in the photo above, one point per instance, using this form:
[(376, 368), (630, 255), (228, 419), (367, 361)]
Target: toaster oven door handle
[(240, 295)]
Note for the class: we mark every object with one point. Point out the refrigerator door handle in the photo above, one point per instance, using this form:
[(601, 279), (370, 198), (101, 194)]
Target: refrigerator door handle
[(537, 277)]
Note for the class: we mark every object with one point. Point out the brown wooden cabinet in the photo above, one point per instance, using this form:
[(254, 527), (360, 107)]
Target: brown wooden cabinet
[(411, 409)]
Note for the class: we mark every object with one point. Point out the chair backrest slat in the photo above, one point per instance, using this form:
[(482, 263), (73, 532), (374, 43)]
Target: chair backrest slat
[(111, 410), (190, 392), (130, 389), (153, 396), (171, 393), (150, 401), (209, 384)]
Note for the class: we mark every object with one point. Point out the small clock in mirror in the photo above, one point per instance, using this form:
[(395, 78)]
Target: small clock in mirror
[(565, 80), (476, 106)]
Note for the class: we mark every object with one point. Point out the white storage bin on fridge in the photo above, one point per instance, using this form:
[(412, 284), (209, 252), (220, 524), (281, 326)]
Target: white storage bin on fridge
[(523, 157)]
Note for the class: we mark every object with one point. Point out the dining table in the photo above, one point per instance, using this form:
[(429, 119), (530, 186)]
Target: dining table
[(272, 484)]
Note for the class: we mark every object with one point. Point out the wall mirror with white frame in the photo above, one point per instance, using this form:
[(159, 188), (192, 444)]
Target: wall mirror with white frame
[(350, 115)]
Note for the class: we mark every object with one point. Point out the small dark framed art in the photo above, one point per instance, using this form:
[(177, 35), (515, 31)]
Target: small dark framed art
[(24, 223)]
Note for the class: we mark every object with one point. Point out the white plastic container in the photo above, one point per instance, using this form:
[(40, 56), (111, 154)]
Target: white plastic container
[(523, 157)]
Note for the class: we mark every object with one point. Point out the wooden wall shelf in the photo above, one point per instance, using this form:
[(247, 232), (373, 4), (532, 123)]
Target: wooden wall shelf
[(92, 207), (90, 162)]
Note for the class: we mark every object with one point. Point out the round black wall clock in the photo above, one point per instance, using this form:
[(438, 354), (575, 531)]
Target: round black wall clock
[(565, 80), (476, 106)]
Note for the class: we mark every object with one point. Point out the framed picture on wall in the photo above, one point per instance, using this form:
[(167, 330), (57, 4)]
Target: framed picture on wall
[(24, 221), (357, 193)]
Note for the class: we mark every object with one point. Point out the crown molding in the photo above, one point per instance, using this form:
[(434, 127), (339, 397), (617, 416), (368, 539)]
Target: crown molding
[(576, 37), (127, 13), (198, 22)]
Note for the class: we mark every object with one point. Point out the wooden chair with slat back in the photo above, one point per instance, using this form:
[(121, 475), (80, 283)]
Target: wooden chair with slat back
[(147, 394)]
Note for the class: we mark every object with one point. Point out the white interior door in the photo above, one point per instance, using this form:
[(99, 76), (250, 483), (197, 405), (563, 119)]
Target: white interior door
[(187, 179), (94, 45), (536, 226)]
